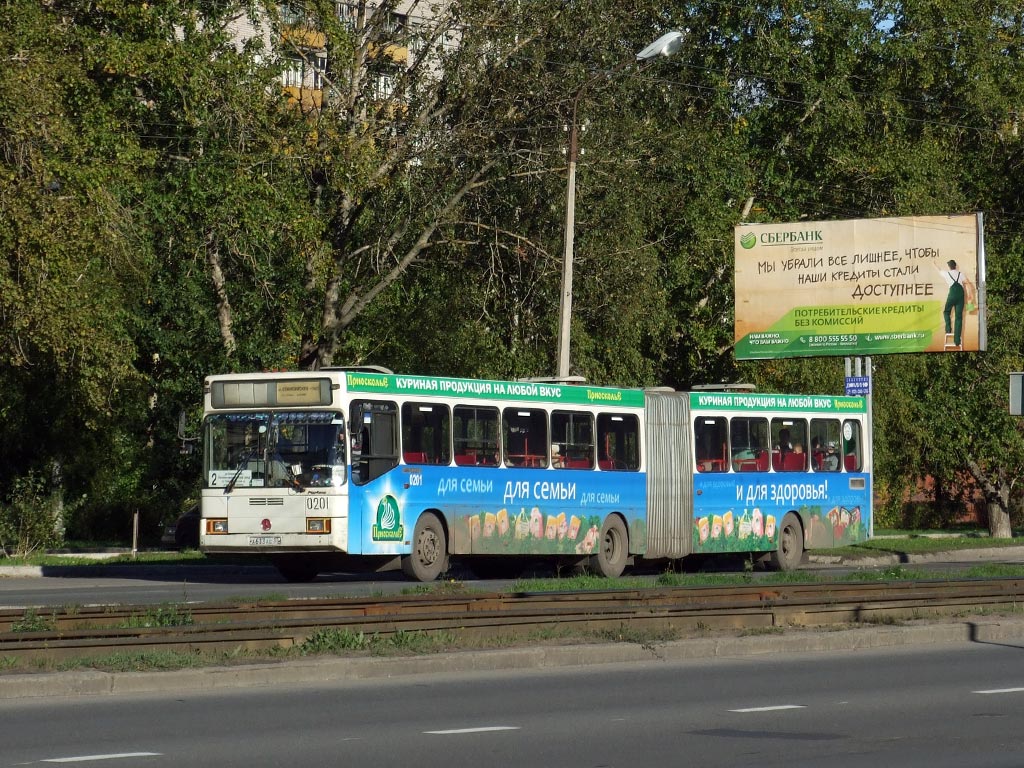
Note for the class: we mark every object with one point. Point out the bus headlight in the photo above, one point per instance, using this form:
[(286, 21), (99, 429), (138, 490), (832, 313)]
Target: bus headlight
[(318, 525), (215, 526)]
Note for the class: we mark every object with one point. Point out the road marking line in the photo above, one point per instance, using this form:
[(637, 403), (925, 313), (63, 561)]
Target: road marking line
[(1001, 690), (770, 709), (476, 730), (85, 758)]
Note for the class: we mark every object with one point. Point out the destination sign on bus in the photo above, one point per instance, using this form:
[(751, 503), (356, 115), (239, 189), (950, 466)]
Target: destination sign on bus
[(262, 394)]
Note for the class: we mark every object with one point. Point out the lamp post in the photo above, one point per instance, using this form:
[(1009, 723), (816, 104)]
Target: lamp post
[(665, 45)]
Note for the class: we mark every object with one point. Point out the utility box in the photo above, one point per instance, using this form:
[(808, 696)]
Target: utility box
[(1017, 394)]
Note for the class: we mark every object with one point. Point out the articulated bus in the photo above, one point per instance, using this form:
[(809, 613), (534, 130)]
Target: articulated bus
[(356, 469)]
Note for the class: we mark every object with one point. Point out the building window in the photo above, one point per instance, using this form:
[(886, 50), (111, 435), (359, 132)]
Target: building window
[(291, 75)]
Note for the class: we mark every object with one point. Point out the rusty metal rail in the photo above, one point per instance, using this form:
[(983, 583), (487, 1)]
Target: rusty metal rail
[(100, 631)]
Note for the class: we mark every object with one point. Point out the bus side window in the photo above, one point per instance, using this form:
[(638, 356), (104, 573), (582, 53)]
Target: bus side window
[(853, 459), (572, 436), (476, 436), (426, 433), (749, 444), (710, 444), (824, 442), (789, 440), (525, 437), (618, 440)]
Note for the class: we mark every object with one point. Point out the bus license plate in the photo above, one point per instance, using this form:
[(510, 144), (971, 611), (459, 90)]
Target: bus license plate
[(264, 541)]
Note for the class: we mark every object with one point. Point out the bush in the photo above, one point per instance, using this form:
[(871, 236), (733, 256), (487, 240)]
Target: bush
[(29, 520)]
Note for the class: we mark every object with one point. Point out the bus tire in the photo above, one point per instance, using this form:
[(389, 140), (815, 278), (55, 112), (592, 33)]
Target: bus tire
[(612, 549), (790, 552), (429, 556), (297, 568)]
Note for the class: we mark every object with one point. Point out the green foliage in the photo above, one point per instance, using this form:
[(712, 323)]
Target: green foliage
[(33, 621), (334, 640), (167, 615), (144, 661), (165, 212), (331, 641), (29, 518)]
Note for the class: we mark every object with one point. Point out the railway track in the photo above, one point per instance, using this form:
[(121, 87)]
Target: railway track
[(77, 633)]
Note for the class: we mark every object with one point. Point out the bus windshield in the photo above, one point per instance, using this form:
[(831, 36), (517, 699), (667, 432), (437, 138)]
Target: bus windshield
[(274, 449)]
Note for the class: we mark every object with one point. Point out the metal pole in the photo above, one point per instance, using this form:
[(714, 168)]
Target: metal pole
[(665, 45), (135, 534), (871, 440), (565, 303)]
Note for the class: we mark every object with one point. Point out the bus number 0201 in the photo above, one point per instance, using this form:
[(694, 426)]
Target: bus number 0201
[(317, 503)]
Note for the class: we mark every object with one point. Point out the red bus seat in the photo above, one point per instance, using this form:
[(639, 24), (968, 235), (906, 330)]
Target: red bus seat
[(415, 457), (850, 460), (794, 462)]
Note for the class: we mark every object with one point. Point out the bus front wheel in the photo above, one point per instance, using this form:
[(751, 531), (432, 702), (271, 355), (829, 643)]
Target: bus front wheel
[(429, 556), (790, 552), (612, 549)]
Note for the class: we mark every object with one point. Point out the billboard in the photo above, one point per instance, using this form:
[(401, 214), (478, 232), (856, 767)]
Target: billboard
[(860, 287)]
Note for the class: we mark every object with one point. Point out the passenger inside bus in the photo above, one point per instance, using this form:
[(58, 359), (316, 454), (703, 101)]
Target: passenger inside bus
[(830, 463), (556, 456), (783, 448), (817, 452)]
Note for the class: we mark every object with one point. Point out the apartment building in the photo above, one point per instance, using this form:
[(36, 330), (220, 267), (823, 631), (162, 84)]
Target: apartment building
[(392, 35)]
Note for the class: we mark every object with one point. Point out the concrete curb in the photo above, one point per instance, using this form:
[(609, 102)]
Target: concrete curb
[(980, 555), (339, 669), (130, 571)]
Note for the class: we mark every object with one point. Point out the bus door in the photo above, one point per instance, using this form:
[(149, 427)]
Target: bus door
[(375, 449)]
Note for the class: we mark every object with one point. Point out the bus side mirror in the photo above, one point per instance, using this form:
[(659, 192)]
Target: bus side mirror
[(187, 443)]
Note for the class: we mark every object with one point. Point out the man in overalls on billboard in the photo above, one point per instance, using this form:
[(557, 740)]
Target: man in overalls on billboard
[(955, 302)]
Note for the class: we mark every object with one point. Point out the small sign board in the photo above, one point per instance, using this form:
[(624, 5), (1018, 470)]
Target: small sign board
[(858, 386), (1017, 394)]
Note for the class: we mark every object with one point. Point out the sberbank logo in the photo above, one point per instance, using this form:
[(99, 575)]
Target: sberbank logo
[(748, 240), (389, 521)]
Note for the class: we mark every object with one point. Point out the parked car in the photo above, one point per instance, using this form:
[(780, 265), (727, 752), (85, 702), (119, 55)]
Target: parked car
[(183, 533)]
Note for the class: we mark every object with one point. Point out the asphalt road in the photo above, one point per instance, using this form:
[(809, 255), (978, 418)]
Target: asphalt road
[(153, 585), (958, 705)]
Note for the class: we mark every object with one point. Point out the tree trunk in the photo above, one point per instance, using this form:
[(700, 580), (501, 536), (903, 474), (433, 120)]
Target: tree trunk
[(220, 289), (999, 520), (57, 498), (997, 500)]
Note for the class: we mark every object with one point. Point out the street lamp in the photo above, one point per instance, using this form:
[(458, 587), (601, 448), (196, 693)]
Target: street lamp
[(665, 45)]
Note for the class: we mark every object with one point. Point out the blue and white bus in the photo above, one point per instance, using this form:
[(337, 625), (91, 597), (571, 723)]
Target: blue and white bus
[(344, 469)]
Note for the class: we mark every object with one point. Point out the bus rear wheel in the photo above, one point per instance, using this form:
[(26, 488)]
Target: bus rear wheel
[(790, 552), (297, 568), (429, 556), (612, 549)]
